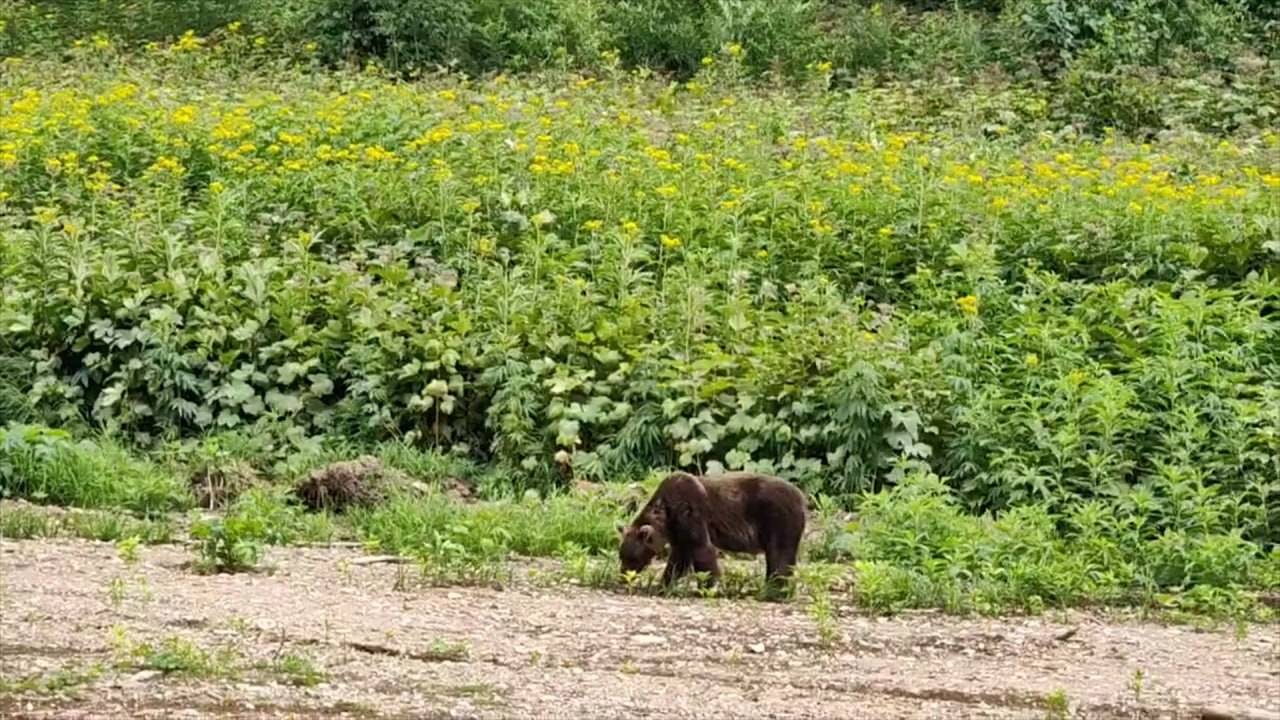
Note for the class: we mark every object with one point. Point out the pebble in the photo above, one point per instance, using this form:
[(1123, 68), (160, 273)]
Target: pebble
[(756, 648), (144, 676), (647, 639)]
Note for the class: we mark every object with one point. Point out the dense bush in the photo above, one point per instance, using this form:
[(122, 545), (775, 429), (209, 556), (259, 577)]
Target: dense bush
[(41, 25), (1136, 66), (474, 36), (828, 287), (1132, 32), (914, 546)]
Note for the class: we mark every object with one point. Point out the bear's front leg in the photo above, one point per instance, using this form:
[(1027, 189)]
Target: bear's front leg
[(677, 565), (705, 561)]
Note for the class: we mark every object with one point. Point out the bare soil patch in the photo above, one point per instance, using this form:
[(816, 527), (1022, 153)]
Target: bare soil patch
[(388, 648)]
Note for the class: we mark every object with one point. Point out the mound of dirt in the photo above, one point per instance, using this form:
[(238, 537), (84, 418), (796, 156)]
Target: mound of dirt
[(362, 481), (217, 486)]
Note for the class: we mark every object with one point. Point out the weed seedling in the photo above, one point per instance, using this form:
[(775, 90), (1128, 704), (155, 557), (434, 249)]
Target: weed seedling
[(1056, 706)]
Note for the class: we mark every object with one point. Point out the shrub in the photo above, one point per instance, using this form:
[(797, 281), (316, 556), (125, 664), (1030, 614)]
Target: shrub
[(475, 36), (913, 546), (227, 545), (1125, 32)]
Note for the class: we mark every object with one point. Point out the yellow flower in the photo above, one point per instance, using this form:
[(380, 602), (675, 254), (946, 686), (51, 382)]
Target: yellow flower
[(592, 225), (188, 42), (166, 164), (470, 206), (216, 188), (762, 254), (1032, 360), (666, 191), (434, 136), (708, 61), (311, 47), (670, 242), (234, 27), (886, 231), (185, 115), (820, 228), (968, 304), (630, 228), (734, 50)]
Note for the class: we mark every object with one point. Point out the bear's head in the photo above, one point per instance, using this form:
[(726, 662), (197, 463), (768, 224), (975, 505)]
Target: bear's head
[(640, 544)]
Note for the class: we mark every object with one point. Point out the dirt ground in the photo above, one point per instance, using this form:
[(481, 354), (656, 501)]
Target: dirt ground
[(388, 649)]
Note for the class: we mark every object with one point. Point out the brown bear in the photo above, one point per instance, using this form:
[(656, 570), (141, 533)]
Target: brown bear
[(735, 512)]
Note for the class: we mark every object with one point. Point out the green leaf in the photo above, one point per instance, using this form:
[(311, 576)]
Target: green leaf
[(567, 433), (283, 403)]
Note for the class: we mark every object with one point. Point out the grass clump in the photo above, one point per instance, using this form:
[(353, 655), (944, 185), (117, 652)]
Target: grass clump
[(172, 654), (435, 525), (297, 670), (19, 522), (61, 681), (47, 466), (178, 656)]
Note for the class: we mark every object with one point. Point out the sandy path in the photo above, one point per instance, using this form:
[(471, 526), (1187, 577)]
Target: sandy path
[(563, 652)]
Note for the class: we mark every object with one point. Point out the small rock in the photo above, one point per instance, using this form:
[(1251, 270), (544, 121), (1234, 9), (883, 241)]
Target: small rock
[(647, 639), (756, 648), (143, 676)]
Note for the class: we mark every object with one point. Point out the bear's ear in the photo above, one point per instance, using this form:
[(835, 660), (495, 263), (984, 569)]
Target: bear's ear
[(645, 533)]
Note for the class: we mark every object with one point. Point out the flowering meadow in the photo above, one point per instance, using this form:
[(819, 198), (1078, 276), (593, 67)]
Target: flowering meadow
[(599, 274)]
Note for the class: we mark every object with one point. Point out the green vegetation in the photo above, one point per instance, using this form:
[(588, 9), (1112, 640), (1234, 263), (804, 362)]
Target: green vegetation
[(999, 277), (913, 546), (439, 527), (1136, 65), (233, 541), (1057, 706), (19, 522), (175, 655), (49, 466), (297, 670), (64, 680)]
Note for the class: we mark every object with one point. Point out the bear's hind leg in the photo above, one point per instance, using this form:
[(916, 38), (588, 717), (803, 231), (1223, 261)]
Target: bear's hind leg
[(780, 562)]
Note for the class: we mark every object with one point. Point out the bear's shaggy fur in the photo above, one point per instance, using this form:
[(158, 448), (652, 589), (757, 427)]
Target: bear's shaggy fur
[(735, 512)]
